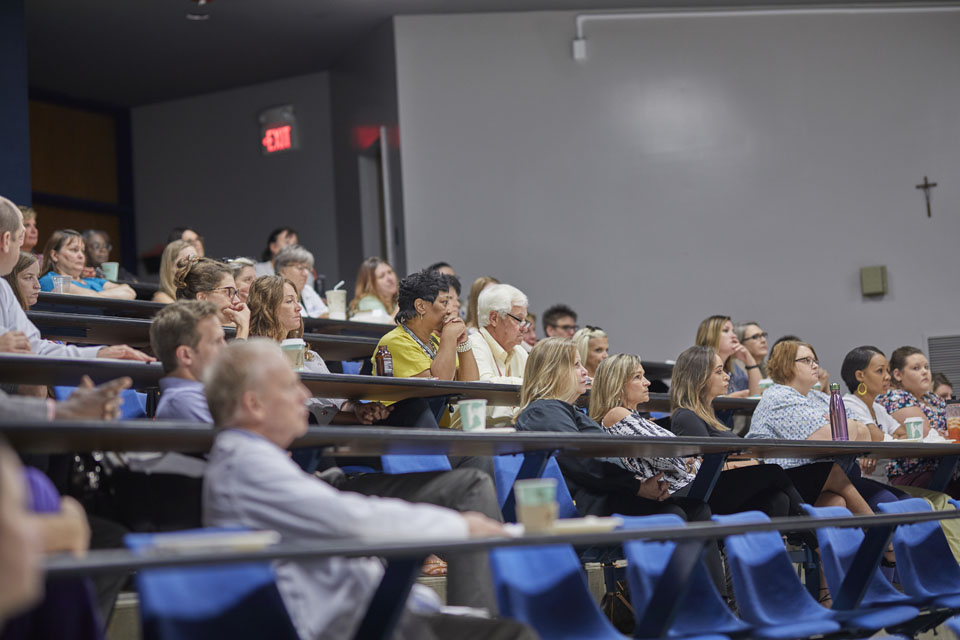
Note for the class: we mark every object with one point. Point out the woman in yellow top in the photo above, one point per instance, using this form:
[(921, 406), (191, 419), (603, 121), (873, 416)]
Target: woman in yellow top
[(430, 340)]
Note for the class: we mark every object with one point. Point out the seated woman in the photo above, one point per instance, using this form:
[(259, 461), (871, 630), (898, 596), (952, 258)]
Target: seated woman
[(792, 410), (295, 264), (244, 275), (98, 247), (173, 254), (64, 255), (31, 235), (25, 280), (910, 397), (275, 314), (206, 279), (942, 386), (593, 347), (376, 291), (717, 332), (473, 301), (750, 335), (620, 386), (553, 379)]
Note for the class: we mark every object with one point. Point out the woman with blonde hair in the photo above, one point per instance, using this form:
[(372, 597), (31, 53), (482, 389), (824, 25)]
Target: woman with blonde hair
[(173, 253), (593, 347), (473, 301), (31, 234), (205, 279), (620, 386), (64, 255), (717, 332), (376, 288)]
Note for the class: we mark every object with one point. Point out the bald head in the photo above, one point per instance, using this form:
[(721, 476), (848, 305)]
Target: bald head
[(10, 216), (11, 235)]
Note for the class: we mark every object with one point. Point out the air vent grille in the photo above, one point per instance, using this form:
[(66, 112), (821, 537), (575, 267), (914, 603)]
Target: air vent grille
[(944, 353)]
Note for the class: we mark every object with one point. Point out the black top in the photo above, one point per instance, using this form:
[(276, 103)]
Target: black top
[(685, 422), (587, 478)]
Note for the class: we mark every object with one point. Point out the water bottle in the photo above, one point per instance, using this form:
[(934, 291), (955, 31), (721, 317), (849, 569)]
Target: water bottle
[(838, 414)]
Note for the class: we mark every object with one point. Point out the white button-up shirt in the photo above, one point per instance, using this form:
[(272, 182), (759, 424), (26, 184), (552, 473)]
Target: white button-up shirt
[(498, 365), (251, 482)]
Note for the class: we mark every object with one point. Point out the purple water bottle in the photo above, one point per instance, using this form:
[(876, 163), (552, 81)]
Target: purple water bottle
[(838, 414)]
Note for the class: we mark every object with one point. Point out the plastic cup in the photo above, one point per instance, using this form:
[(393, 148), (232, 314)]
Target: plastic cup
[(914, 427), (473, 414), (765, 384), (536, 503), (60, 283), (953, 421), (110, 270), (337, 303), (295, 351)]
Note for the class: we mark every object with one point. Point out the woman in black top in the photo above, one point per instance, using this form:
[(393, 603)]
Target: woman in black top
[(698, 378)]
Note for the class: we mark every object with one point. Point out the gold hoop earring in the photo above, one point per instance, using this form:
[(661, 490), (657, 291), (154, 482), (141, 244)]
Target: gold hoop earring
[(861, 389)]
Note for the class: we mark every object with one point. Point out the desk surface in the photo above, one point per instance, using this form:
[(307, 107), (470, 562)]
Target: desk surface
[(90, 329), (123, 561), (52, 437)]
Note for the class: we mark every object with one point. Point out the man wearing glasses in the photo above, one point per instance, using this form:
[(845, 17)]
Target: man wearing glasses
[(501, 316), (560, 321)]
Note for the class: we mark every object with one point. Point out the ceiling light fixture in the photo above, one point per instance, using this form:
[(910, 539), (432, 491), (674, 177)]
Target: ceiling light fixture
[(197, 16)]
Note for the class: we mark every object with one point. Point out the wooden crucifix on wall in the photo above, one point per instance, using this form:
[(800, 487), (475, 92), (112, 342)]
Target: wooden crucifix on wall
[(926, 186)]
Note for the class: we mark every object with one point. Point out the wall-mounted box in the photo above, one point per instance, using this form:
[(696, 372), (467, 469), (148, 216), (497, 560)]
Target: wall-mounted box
[(873, 280)]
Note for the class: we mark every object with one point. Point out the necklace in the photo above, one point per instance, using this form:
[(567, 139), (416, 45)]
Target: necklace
[(427, 349)]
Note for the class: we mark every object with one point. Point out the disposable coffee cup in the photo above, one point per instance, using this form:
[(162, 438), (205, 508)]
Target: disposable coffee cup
[(294, 349), (60, 283), (473, 414), (110, 270), (765, 384), (914, 427), (337, 303), (536, 503)]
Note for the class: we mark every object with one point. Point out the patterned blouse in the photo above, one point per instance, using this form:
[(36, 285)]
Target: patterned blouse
[(934, 408), (786, 414), (674, 469)]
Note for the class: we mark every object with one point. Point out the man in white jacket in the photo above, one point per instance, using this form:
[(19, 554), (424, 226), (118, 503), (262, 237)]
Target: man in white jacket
[(258, 403)]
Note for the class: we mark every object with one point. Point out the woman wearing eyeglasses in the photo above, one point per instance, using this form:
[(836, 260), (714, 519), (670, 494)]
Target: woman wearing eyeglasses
[(205, 279), (754, 339)]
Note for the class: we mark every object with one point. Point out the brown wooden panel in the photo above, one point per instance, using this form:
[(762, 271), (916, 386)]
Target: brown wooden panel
[(73, 152), (49, 219)]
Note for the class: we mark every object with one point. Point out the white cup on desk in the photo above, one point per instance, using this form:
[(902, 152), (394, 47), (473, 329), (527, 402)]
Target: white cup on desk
[(60, 283), (473, 414), (337, 304), (536, 503), (110, 270), (914, 427), (295, 351)]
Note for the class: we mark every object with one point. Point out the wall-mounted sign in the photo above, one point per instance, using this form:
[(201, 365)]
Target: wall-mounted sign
[(278, 130)]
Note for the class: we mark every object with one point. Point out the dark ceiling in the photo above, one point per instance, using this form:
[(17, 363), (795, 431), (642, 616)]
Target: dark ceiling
[(133, 52)]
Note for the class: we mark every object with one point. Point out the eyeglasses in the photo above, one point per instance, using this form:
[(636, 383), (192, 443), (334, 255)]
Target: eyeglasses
[(96, 246), (566, 327), (808, 361), (756, 336), (231, 291), (524, 325)]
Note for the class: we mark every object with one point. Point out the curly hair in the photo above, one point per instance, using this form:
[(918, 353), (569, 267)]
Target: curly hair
[(264, 300), (195, 275)]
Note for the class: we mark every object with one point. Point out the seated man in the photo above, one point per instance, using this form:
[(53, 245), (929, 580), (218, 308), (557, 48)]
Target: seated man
[(17, 333), (560, 321), (501, 313), (258, 405)]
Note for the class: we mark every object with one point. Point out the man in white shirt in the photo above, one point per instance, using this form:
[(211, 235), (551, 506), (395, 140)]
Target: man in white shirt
[(257, 402), (17, 333), (501, 315)]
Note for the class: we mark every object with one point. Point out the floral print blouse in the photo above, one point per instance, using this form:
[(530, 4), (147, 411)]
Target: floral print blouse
[(674, 469), (934, 408)]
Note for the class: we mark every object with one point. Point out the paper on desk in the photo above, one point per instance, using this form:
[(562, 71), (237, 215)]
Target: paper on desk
[(933, 436)]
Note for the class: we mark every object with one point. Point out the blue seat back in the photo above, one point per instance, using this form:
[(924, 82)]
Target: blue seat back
[(506, 468), (216, 601), (701, 610), (837, 550), (767, 588), (133, 404), (925, 564), (545, 588), (413, 464), (351, 367)]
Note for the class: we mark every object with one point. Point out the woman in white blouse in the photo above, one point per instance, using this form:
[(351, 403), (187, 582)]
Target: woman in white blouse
[(866, 373)]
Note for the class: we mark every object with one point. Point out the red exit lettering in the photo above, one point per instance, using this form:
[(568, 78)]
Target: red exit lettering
[(276, 139)]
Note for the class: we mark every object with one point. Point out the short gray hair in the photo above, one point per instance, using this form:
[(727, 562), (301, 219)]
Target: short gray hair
[(500, 298), (239, 264), (236, 370), (9, 217), (294, 254)]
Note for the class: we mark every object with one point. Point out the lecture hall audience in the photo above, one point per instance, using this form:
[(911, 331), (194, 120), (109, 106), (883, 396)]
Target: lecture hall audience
[(376, 290), (173, 254), (296, 264), (593, 346), (205, 279), (190, 236), (243, 274), (64, 255), (24, 280), (32, 235), (278, 240), (754, 339), (476, 288), (942, 386), (560, 321), (717, 333)]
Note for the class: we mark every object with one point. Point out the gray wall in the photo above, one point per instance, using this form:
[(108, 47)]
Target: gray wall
[(364, 82), (199, 160), (740, 165)]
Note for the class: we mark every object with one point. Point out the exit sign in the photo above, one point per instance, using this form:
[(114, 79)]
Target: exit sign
[(278, 130), (276, 139)]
